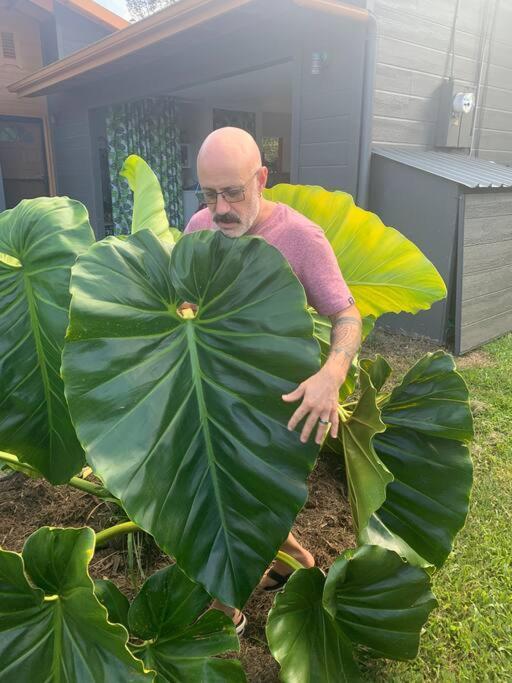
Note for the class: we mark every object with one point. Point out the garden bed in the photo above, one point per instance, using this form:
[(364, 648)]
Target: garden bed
[(324, 526)]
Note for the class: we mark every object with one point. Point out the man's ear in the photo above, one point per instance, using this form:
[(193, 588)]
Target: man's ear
[(262, 178)]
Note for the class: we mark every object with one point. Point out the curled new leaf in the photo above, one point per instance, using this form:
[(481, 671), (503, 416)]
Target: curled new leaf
[(385, 271), (183, 418), (367, 476), (41, 239), (148, 201)]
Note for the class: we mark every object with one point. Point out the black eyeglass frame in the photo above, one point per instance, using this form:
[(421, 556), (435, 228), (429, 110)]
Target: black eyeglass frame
[(242, 189)]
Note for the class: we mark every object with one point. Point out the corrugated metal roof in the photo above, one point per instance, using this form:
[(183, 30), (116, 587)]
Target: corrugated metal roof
[(461, 169)]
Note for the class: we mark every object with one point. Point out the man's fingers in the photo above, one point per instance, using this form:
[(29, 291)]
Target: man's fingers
[(321, 431), (297, 417), (335, 422), (308, 427), (294, 395)]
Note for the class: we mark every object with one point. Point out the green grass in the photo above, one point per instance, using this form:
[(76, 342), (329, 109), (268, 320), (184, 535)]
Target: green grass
[(469, 637)]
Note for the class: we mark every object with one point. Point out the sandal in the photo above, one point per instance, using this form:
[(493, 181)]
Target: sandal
[(280, 580), (241, 624)]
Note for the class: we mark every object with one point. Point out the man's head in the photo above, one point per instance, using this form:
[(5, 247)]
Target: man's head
[(229, 161)]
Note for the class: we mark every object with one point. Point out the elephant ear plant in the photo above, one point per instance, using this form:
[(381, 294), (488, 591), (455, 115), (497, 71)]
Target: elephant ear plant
[(183, 422)]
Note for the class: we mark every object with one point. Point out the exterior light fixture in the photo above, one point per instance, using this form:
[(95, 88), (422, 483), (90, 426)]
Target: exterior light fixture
[(318, 62)]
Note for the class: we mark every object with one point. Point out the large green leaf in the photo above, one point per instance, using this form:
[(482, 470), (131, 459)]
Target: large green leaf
[(181, 639), (385, 271), (379, 601), (370, 597), (428, 424), (42, 238), (367, 476), (148, 200), (183, 419), (303, 637), (52, 628)]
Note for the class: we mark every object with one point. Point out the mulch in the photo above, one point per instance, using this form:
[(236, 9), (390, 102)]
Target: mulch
[(323, 527)]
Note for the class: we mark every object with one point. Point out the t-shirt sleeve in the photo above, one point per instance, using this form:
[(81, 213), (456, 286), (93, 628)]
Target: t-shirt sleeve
[(326, 289)]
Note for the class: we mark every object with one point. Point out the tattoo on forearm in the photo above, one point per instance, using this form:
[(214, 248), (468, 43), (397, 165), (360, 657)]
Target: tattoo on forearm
[(345, 337)]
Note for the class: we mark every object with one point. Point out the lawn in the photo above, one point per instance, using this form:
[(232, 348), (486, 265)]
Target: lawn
[(469, 638)]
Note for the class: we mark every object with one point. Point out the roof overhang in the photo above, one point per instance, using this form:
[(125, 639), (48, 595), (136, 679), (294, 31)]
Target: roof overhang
[(177, 18)]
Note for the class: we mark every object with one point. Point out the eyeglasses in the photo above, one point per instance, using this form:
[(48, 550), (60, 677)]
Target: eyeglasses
[(231, 194)]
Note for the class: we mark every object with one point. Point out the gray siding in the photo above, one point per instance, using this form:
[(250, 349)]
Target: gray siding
[(412, 61), (486, 295), (330, 104)]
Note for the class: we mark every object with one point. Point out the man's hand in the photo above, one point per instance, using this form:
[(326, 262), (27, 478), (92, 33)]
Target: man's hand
[(320, 402), (320, 392)]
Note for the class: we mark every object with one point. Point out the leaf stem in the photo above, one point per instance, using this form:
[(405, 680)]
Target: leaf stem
[(118, 530), (23, 466), (76, 482), (289, 560)]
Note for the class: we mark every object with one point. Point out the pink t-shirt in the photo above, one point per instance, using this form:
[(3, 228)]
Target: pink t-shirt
[(307, 250)]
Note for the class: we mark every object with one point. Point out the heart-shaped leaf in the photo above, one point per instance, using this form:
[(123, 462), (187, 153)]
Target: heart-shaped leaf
[(182, 640), (370, 597), (428, 421), (303, 637), (385, 271), (42, 238), (53, 628), (379, 601), (183, 418)]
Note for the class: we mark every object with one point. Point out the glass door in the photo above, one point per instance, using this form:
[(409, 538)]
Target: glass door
[(23, 164)]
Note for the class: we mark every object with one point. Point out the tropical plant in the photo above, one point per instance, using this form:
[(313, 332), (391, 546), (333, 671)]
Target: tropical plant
[(181, 419)]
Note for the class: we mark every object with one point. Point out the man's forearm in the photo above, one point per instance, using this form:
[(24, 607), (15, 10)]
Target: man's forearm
[(345, 341)]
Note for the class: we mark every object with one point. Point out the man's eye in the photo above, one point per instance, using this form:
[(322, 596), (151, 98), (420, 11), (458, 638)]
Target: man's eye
[(210, 196), (233, 193)]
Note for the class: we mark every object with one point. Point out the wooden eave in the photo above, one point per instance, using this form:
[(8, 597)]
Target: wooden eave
[(162, 25)]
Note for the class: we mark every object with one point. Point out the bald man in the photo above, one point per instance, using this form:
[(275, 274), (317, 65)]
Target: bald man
[(232, 179)]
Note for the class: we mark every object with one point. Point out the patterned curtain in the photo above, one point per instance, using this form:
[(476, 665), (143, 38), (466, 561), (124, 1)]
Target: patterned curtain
[(147, 128)]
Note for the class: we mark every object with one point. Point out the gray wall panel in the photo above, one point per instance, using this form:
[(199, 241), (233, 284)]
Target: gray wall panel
[(75, 31), (486, 300), (431, 225)]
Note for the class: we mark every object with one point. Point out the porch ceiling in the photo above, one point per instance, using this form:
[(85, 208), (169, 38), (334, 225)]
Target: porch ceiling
[(142, 42)]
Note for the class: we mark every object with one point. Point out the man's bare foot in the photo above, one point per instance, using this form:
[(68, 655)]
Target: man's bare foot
[(303, 556)]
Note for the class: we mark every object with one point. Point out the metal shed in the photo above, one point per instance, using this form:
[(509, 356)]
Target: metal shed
[(458, 210)]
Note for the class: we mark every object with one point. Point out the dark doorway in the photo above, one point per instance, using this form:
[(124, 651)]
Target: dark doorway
[(23, 166)]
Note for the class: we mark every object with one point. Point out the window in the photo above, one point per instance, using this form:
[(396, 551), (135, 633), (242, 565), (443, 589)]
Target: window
[(8, 47)]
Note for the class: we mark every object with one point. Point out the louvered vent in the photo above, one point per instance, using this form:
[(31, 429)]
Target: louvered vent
[(8, 47)]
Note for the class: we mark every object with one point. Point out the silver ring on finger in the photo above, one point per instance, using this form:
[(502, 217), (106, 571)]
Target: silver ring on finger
[(322, 421)]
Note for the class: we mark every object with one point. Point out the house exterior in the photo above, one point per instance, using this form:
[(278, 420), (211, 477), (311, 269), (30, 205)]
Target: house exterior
[(319, 83), (33, 34)]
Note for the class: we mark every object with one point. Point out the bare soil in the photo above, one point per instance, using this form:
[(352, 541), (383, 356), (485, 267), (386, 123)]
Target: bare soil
[(324, 526)]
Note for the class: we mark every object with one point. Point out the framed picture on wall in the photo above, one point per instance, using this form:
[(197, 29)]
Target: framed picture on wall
[(185, 155)]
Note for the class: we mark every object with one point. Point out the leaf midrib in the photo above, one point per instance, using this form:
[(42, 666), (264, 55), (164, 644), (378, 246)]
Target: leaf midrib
[(203, 418), (34, 321)]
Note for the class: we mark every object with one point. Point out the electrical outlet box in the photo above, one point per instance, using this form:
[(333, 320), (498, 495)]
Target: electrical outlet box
[(456, 114)]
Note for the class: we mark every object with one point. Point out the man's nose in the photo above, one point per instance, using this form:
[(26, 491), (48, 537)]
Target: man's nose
[(222, 205)]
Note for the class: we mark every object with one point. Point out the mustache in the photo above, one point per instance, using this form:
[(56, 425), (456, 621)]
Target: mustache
[(226, 218)]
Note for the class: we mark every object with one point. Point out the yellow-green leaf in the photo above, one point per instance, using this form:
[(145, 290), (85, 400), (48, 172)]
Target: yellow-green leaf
[(386, 272)]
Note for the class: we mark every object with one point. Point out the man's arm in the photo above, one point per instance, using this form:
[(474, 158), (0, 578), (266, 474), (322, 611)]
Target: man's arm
[(320, 392)]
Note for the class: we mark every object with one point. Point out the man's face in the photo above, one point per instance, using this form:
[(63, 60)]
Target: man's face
[(235, 212)]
